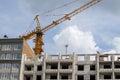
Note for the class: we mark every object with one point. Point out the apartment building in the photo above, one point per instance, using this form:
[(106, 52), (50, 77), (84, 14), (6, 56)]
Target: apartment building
[(72, 67), (11, 51)]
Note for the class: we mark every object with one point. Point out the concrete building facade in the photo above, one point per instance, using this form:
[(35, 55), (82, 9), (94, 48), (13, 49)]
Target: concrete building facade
[(11, 51), (72, 67)]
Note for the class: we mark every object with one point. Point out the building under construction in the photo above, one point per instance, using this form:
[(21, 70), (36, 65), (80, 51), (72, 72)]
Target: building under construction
[(18, 63)]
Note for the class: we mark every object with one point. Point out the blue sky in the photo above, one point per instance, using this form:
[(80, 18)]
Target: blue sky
[(95, 29)]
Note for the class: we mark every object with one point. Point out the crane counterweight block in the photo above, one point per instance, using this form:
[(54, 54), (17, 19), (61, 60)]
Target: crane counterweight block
[(28, 36)]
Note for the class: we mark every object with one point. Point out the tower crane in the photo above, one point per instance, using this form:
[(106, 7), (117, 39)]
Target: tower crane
[(38, 32)]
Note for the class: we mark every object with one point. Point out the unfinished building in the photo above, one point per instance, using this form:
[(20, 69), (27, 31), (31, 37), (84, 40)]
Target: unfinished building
[(72, 67), (17, 62)]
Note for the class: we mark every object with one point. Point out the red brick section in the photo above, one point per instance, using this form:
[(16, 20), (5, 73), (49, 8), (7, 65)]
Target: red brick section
[(27, 50)]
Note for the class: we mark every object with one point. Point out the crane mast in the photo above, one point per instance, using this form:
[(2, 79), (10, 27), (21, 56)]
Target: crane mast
[(38, 39), (38, 32)]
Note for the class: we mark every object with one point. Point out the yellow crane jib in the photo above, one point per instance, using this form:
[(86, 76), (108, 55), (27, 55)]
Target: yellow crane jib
[(38, 32)]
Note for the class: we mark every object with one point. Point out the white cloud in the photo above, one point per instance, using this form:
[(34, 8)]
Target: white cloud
[(112, 51), (116, 46), (78, 41), (116, 43)]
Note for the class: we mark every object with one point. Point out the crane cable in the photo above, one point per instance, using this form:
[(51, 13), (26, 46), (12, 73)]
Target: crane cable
[(51, 10), (29, 27)]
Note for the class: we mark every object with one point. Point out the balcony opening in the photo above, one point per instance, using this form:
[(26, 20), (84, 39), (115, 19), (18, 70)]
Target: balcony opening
[(80, 77), (81, 58), (28, 77), (54, 57), (117, 76), (117, 66), (28, 67), (116, 57), (53, 77), (107, 76), (39, 68), (65, 57), (80, 67), (64, 77), (92, 58), (54, 66), (92, 67), (107, 66), (38, 77), (92, 77), (65, 67)]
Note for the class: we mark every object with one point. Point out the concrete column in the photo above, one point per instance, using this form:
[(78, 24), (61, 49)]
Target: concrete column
[(35, 69), (87, 77), (59, 57), (58, 74), (34, 76), (73, 67), (97, 66), (87, 69), (21, 76), (87, 57), (44, 67), (112, 58)]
